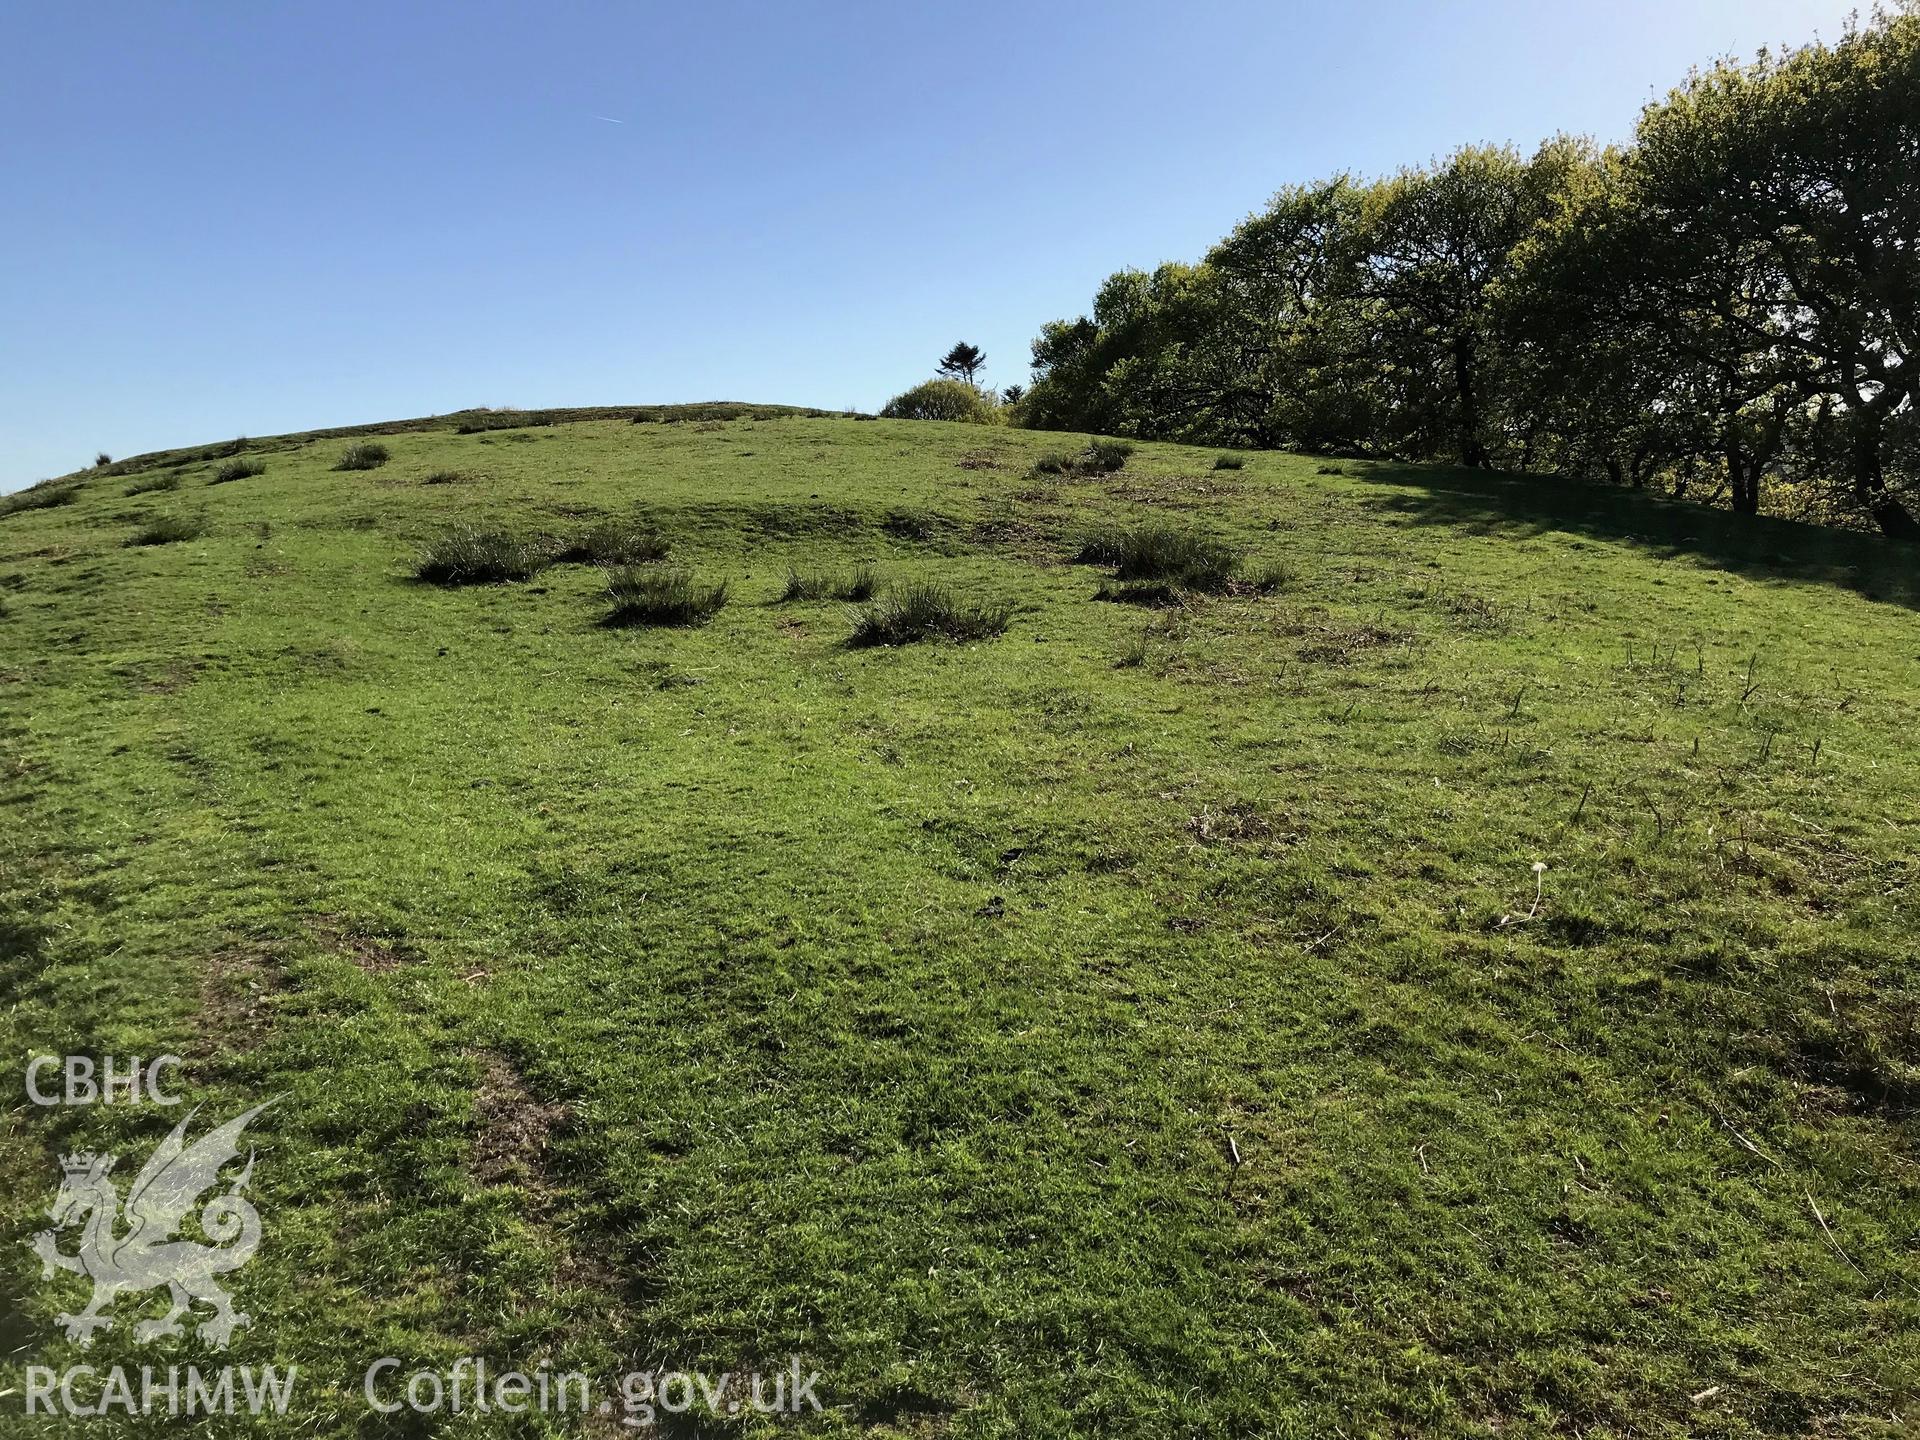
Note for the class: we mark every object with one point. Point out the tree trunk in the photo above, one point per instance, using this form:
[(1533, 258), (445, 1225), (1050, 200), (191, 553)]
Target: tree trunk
[(1743, 477), (1896, 522), (1472, 452)]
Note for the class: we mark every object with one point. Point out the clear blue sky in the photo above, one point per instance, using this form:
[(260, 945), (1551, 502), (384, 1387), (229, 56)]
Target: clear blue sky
[(219, 219)]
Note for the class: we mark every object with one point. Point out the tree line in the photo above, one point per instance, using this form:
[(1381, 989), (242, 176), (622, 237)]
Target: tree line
[(1724, 308)]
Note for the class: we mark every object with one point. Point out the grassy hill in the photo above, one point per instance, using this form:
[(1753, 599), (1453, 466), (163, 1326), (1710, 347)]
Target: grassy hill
[(714, 994)]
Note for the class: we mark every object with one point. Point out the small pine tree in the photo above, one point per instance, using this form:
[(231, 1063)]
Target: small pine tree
[(962, 362)]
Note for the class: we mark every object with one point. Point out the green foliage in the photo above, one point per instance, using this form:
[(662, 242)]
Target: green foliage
[(921, 610), (963, 363), (469, 555), (1719, 307), (1229, 462), (943, 400), (155, 483), (648, 595)]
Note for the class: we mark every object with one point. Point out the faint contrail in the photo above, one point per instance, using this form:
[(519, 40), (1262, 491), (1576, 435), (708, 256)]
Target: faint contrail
[(609, 119)]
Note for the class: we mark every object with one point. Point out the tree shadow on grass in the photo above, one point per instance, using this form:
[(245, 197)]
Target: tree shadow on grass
[(1522, 506)]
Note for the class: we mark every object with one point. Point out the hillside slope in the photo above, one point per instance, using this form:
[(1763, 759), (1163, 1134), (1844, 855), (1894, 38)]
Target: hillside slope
[(707, 996)]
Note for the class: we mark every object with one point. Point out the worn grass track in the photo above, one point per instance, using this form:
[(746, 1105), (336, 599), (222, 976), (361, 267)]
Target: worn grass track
[(707, 995)]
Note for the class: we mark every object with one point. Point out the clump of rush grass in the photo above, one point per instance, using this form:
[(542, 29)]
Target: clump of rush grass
[(446, 477), (367, 455), (1183, 559), (43, 496), (237, 470), (828, 585), (168, 529), (1229, 462), (1272, 576), (922, 611), (154, 483), (647, 595), (470, 556), (1100, 457), (616, 542)]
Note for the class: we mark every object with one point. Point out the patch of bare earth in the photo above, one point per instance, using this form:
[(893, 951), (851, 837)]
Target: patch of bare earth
[(374, 954), (238, 983), (514, 1142)]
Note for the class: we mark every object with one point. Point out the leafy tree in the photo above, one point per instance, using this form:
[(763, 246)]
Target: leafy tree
[(1735, 294), (943, 400), (962, 362), (1779, 203)]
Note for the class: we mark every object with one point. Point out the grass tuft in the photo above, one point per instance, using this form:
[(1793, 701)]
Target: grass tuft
[(923, 611), (154, 483), (827, 585), (1100, 457), (1273, 576), (1229, 462), (470, 556), (616, 542), (242, 469), (367, 455), (169, 529), (644, 595), (43, 496), (1181, 558)]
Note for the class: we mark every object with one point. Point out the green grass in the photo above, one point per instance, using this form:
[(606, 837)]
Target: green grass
[(723, 992)]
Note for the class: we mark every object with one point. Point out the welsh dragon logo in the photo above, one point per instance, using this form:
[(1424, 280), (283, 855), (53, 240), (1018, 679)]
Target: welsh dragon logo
[(148, 1255)]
